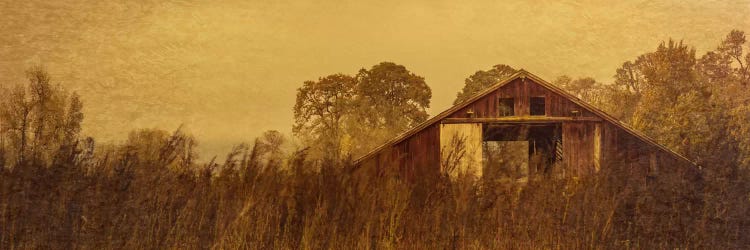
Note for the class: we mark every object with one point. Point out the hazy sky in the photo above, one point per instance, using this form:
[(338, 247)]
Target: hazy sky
[(229, 71)]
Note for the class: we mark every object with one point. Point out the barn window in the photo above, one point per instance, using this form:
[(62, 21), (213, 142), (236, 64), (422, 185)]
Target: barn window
[(537, 105), (505, 107)]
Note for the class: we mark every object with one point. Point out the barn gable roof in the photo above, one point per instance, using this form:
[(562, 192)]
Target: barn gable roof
[(522, 74)]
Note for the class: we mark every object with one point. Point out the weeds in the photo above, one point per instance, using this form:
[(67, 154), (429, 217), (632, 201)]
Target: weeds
[(126, 197)]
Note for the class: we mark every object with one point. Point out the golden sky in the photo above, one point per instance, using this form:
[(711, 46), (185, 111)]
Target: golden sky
[(228, 71)]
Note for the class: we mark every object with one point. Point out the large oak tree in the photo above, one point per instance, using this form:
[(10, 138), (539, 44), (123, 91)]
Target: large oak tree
[(389, 100), (320, 111), (341, 115)]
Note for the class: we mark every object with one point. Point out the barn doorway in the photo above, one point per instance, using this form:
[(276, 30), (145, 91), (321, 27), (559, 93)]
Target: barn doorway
[(519, 151)]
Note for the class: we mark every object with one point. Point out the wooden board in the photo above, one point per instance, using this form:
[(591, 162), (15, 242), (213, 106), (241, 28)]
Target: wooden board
[(461, 148)]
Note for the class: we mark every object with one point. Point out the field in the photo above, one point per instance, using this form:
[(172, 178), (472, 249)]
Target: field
[(136, 199)]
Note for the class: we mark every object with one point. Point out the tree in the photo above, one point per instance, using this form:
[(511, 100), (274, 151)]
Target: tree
[(729, 76), (630, 78), (682, 101), (39, 118), (319, 111), (586, 88), (16, 117), (673, 103), (339, 115), (389, 99), (74, 118), (41, 96), (482, 80), (270, 148), (611, 98), (731, 48)]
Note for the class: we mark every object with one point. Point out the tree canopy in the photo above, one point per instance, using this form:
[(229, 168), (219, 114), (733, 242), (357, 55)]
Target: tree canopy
[(320, 110), (37, 119), (481, 80), (341, 115), (695, 105)]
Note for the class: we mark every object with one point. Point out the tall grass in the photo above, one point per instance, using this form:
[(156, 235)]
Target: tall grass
[(124, 197)]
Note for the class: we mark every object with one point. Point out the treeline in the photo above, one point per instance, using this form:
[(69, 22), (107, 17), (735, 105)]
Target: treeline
[(60, 190), (697, 106)]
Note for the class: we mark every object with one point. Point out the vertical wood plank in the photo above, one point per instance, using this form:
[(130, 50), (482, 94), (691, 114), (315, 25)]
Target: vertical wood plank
[(597, 146)]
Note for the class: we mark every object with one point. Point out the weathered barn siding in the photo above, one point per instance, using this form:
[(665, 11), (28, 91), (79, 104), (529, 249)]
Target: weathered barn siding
[(578, 147), (521, 90), (589, 141), (421, 149), (622, 149)]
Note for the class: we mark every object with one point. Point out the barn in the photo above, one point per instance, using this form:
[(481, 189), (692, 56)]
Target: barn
[(520, 127)]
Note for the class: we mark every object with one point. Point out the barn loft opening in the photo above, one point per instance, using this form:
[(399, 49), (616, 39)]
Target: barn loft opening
[(505, 107), (536, 106), (517, 151)]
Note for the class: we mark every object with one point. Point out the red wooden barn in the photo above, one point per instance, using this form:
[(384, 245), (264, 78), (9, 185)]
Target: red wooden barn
[(520, 127)]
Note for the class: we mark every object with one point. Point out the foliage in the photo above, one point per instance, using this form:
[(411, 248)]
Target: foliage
[(685, 102), (696, 106), (390, 100), (37, 119), (320, 111), (588, 89), (341, 115), (481, 80)]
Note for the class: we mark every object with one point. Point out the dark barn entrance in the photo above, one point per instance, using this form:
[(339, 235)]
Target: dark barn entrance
[(517, 151)]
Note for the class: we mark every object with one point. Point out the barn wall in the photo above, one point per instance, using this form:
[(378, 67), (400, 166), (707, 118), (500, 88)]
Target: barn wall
[(622, 149), (414, 157), (521, 90), (578, 147)]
